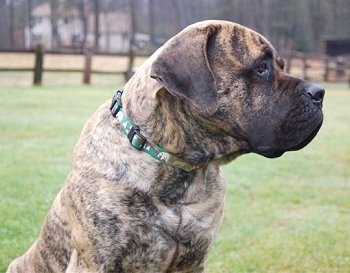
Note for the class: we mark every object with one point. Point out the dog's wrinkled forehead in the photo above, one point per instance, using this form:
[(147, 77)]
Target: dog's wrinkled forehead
[(239, 43), (245, 44)]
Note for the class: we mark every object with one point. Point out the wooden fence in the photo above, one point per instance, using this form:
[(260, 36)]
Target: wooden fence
[(306, 66), (34, 61), (318, 67)]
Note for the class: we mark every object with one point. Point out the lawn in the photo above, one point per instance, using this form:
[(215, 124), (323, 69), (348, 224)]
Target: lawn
[(290, 214)]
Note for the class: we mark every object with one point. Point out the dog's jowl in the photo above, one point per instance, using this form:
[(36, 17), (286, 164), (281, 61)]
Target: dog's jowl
[(145, 193)]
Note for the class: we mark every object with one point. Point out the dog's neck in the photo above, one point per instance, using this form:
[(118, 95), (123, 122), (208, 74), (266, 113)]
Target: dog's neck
[(140, 142), (154, 110)]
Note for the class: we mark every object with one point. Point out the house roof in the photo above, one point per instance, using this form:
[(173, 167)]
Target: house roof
[(42, 10)]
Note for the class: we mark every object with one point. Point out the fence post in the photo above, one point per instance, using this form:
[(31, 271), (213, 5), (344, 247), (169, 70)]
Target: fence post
[(340, 67), (38, 68), (87, 66), (326, 69), (289, 62), (130, 69), (304, 67)]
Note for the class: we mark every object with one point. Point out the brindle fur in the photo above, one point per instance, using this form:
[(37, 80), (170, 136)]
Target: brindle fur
[(200, 98)]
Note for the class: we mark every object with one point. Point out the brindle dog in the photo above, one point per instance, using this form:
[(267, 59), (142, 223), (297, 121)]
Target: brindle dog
[(213, 92)]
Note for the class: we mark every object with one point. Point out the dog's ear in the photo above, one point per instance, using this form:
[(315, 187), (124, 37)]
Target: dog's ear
[(182, 67)]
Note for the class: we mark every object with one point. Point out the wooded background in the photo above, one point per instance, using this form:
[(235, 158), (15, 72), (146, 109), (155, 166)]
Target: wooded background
[(299, 25)]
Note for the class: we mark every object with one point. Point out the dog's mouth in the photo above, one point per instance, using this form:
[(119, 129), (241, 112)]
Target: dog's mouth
[(274, 153)]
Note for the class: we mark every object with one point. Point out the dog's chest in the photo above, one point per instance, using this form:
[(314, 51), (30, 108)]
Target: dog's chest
[(174, 237)]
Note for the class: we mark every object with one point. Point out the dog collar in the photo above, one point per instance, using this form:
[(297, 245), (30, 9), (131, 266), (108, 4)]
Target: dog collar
[(140, 142)]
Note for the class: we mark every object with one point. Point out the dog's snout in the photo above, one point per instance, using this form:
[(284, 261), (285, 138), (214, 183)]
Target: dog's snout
[(316, 92)]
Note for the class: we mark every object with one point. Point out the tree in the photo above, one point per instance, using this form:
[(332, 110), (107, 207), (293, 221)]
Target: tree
[(54, 7), (97, 24), (175, 7), (132, 45), (152, 21), (30, 20), (12, 17), (4, 25), (318, 19)]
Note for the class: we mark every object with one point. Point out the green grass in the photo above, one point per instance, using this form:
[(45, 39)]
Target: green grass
[(290, 214)]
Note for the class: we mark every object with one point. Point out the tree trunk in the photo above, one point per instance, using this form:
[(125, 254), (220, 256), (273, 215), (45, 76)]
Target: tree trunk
[(30, 21), (12, 28), (83, 19), (132, 45), (177, 15), (54, 28), (152, 21), (97, 24)]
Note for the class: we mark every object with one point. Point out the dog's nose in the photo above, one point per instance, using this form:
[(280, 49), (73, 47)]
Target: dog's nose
[(316, 92)]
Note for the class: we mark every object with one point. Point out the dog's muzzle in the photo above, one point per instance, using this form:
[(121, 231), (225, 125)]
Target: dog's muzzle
[(299, 126)]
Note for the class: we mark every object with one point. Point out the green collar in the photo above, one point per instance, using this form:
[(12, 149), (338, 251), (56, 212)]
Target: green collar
[(141, 143)]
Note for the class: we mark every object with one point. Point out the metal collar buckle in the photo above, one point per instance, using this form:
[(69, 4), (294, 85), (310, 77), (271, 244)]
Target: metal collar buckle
[(135, 137), (116, 103)]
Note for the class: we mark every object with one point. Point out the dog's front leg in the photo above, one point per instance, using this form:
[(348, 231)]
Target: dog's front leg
[(76, 265)]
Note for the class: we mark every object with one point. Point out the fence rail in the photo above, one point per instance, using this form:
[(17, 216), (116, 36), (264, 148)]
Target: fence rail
[(319, 67), (306, 66)]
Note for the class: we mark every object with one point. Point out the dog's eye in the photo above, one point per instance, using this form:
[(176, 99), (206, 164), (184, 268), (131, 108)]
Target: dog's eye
[(261, 69)]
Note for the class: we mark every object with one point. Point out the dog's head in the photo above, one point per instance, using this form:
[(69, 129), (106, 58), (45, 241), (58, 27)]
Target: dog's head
[(234, 77)]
